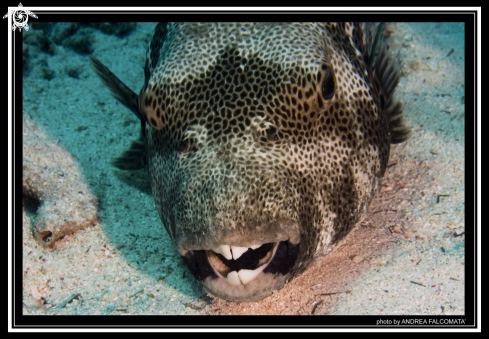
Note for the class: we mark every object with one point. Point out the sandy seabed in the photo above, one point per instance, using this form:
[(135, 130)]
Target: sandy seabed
[(407, 257)]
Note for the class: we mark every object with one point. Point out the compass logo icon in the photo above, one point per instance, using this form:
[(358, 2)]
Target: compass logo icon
[(20, 18)]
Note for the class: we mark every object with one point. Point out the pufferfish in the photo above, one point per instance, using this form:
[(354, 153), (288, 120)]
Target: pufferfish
[(264, 142)]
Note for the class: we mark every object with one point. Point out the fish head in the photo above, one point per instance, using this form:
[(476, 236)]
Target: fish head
[(264, 143)]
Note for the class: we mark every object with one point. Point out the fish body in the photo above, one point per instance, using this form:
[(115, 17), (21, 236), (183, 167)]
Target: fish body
[(264, 142)]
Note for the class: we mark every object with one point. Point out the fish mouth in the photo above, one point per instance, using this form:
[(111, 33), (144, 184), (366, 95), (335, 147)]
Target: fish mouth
[(243, 273)]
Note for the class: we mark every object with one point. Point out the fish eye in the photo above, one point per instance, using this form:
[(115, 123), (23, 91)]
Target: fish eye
[(328, 85)]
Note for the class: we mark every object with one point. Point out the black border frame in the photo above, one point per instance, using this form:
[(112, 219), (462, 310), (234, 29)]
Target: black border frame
[(227, 322)]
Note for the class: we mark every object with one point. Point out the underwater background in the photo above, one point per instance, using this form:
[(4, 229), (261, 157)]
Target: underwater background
[(127, 264)]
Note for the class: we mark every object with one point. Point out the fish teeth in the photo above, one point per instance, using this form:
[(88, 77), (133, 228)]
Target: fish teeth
[(232, 252), (243, 277), (225, 250), (233, 278), (238, 251)]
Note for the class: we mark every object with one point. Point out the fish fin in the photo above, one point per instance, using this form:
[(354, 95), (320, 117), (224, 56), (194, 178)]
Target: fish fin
[(388, 73), (134, 158), (374, 41), (117, 88)]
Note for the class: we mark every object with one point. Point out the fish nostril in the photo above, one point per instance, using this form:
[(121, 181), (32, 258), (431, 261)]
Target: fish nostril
[(182, 147), (272, 134)]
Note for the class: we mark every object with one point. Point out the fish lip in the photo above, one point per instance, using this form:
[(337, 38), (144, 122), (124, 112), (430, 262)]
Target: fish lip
[(271, 277), (281, 229)]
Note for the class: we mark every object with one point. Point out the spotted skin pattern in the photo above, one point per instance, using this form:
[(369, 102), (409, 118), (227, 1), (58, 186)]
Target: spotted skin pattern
[(250, 125)]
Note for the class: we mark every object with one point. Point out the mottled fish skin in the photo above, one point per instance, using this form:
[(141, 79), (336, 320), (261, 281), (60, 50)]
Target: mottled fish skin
[(262, 133)]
